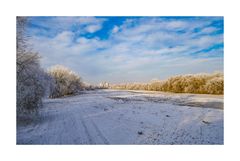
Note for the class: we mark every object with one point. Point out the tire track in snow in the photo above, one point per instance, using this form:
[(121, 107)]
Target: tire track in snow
[(86, 131), (99, 133)]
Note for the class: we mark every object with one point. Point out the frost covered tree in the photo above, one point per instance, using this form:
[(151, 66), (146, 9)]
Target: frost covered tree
[(31, 79), (66, 82)]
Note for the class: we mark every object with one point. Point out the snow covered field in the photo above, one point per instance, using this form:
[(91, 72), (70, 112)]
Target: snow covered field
[(127, 117)]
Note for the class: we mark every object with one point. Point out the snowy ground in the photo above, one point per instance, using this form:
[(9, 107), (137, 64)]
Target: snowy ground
[(127, 117)]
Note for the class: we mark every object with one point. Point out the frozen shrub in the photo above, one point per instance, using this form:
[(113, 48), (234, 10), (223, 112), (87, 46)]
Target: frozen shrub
[(154, 86), (215, 86), (66, 82), (191, 83), (187, 84), (30, 77), (143, 86)]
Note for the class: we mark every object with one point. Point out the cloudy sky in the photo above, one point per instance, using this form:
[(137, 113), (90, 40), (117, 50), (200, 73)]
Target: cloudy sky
[(129, 49)]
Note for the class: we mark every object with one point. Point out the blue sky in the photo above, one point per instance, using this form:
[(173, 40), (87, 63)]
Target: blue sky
[(129, 49)]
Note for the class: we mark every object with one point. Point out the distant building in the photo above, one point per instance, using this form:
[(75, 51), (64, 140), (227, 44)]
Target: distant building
[(104, 85)]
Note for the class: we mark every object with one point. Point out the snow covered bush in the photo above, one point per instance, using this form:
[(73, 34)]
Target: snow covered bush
[(130, 86), (66, 82), (30, 88), (155, 85), (215, 85), (191, 83), (30, 77), (186, 84)]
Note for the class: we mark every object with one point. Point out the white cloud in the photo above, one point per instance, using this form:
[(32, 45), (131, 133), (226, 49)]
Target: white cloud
[(205, 41), (90, 20), (208, 30), (176, 24), (63, 38), (163, 51), (142, 47), (92, 24), (60, 24), (115, 29), (93, 28)]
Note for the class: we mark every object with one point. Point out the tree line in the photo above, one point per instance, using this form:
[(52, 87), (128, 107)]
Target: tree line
[(190, 83)]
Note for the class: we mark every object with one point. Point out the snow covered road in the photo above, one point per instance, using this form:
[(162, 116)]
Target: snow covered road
[(127, 117)]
